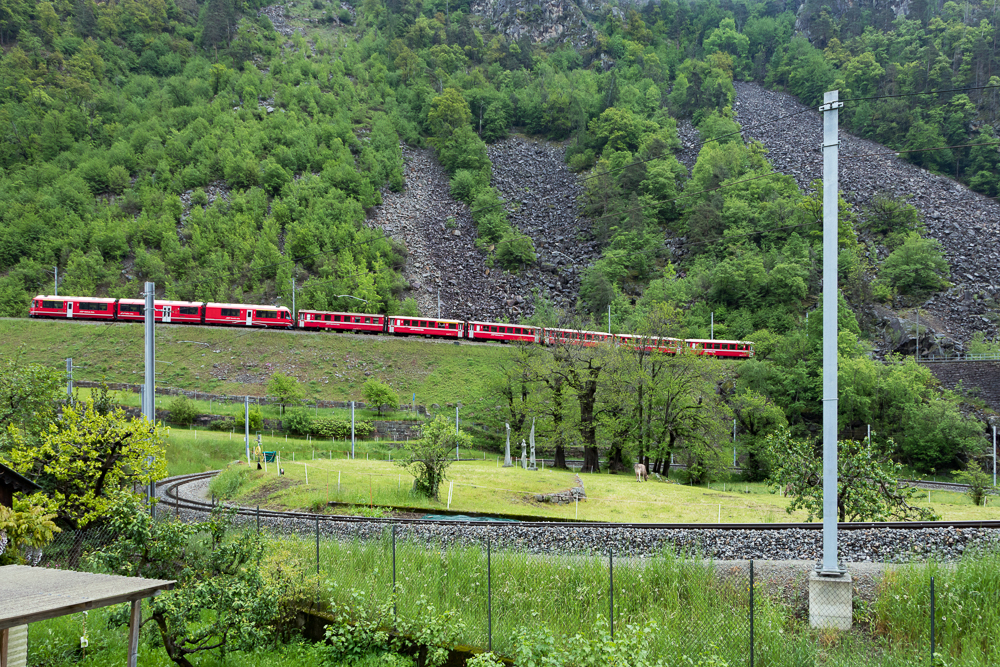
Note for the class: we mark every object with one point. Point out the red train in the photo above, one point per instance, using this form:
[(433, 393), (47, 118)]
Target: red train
[(170, 312), (250, 315)]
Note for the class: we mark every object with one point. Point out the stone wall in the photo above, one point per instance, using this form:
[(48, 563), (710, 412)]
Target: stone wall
[(980, 377)]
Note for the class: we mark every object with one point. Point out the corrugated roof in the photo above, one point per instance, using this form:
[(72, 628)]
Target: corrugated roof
[(30, 594)]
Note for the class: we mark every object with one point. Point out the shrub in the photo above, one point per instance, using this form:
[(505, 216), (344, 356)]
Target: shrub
[(515, 250), (379, 394), (182, 410), (299, 422), (979, 482), (227, 424), (256, 420), (917, 267)]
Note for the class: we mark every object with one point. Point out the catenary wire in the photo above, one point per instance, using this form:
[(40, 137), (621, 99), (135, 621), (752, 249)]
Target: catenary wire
[(930, 92)]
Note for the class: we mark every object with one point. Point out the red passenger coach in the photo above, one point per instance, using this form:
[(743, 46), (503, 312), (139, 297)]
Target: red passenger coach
[(426, 327), (739, 349), (321, 319), (504, 332), (247, 315), (650, 343), (169, 312), (73, 307), (576, 337)]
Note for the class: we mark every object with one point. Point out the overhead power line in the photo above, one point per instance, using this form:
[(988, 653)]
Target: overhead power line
[(930, 92)]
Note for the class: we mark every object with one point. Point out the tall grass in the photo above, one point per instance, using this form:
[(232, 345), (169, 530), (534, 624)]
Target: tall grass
[(695, 604)]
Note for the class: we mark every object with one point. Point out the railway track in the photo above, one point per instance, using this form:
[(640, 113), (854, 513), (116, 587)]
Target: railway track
[(172, 501)]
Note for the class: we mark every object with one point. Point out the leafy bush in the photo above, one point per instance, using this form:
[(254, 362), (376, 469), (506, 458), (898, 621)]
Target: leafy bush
[(299, 422), (515, 251), (378, 395), (979, 482), (256, 420), (325, 427), (227, 424), (917, 267), (182, 410)]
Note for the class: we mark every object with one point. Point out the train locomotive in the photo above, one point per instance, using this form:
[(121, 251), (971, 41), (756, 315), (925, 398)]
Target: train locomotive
[(280, 317)]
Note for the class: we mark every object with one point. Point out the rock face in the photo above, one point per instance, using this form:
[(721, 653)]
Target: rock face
[(966, 223), (548, 20), (440, 234)]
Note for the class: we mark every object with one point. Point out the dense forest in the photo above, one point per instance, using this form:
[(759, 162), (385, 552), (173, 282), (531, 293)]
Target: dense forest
[(194, 145)]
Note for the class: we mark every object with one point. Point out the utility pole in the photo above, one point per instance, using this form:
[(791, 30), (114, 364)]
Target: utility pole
[(352, 429), (734, 443), (609, 318), (830, 109), (246, 425), (713, 325), (57, 280), (69, 381), (149, 389), (293, 298), (439, 302), (994, 456), (456, 431)]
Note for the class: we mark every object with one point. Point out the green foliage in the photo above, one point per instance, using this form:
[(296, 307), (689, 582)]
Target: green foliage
[(227, 484), (980, 484), (229, 596), (540, 647), (28, 395), (24, 529), (299, 422), (85, 457), (285, 388), (917, 267), (867, 479), (428, 458), (256, 420), (182, 410), (380, 395)]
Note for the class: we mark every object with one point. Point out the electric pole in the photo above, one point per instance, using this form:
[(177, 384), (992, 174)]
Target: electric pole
[(831, 145), (57, 280), (149, 388), (69, 381)]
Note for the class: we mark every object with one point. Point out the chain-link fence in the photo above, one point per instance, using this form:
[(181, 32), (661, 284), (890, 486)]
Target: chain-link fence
[(677, 608)]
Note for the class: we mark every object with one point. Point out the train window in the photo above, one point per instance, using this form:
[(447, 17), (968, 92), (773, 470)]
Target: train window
[(126, 308), (451, 326), (368, 320), (230, 312), (97, 306), (188, 310), (267, 314), (52, 304)]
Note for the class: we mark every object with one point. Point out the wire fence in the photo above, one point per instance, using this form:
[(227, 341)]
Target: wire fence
[(685, 610)]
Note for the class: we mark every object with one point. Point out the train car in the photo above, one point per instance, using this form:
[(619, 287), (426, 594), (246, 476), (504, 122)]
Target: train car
[(503, 332), (248, 315), (73, 307), (169, 312), (575, 337), (649, 343), (423, 326), (334, 321), (738, 349)]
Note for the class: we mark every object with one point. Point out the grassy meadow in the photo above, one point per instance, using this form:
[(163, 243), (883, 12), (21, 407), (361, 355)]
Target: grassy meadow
[(239, 361), (481, 484)]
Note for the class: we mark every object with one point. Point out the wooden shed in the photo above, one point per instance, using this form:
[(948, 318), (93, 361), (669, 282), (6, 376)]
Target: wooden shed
[(11, 482)]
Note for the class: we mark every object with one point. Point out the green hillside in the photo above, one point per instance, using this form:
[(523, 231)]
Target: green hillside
[(239, 362)]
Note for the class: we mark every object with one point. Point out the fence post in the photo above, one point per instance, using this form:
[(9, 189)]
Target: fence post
[(751, 613), (394, 611), (317, 545), (932, 622), (611, 582), (258, 519), (489, 598)]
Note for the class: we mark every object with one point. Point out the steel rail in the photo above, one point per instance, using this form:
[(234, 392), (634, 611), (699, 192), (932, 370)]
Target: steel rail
[(175, 502)]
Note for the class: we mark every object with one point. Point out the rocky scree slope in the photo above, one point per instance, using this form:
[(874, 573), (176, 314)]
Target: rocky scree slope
[(966, 223), (440, 235)]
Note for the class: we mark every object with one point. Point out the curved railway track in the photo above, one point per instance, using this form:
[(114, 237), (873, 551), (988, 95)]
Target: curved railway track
[(172, 501)]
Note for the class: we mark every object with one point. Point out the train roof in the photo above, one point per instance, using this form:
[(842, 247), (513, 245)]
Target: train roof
[(161, 302), (505, 324), (99, 299), (255, 306), (583, 331), (426, 319), (338, 312), (716, 340)]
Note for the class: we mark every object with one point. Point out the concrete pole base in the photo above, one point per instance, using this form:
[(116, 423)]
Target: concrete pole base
[(830, 601)]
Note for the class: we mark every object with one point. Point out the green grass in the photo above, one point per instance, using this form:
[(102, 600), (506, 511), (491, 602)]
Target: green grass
[(698, 607), (209, 359)]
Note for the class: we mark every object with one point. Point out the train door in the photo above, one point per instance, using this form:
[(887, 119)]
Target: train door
[(166, 313), (69, 309), (249, 317)]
